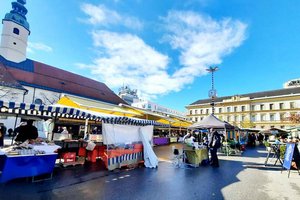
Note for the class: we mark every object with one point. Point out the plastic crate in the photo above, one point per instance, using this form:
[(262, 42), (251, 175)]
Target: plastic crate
[(68, 157)]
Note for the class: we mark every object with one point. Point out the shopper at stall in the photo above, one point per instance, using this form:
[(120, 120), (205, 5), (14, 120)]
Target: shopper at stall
[(214, 144), (26, 132), (2, 134), (65, 130), (10, 132)]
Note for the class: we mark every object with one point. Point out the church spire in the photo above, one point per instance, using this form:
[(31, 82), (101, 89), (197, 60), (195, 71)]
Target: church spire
[(18, 14), (15, 33)]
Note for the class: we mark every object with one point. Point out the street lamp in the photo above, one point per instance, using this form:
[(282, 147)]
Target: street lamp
[(212, 93)]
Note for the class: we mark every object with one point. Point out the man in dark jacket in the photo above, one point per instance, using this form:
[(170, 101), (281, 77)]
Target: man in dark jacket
[(27, 132), (214, 144)]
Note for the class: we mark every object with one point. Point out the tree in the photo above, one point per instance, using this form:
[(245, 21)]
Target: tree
[(8, 93), (294, 118), (49, 99), (247, 123)]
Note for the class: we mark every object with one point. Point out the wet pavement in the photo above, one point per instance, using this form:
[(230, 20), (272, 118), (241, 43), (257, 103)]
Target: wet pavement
[(238, 177)]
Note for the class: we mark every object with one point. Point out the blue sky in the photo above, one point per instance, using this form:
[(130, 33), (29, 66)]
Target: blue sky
[(162, 48)]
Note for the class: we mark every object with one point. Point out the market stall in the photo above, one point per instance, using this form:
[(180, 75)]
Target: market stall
[(27, 161), (195, 156), (212, 121), (128, 145)]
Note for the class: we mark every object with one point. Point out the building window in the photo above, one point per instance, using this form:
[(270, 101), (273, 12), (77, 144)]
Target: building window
[(262, 106), (235, 109), (191, 112), (292, 105), (282, 127), (243, 108), (196, 119), (281, 116), (262, 127), (272, 117), (243, 117), (228, 109), (253, 118), (220, 110), (271, 106), (207, 111), (281, 106), (235, 118), (201, 118), (252, 107), (201, 111), (263, 117), (16, 31), (196, 112), (272, 126)]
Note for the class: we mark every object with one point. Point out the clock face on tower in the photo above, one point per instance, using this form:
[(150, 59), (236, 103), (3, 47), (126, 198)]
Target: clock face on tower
[(212, 93)]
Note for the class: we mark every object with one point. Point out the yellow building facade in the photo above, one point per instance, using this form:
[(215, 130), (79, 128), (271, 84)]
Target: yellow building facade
[(260, 110)]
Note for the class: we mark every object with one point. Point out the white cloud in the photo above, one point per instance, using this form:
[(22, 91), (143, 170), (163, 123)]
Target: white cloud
[(127, 59), (101, 15), (200, 40), (32, 47)]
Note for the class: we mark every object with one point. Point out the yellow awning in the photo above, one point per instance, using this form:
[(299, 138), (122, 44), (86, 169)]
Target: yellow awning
[(97, 106), (172, 121)]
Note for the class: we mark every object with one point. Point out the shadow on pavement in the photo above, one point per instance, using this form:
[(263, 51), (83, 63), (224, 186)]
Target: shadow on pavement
[(164, 182)]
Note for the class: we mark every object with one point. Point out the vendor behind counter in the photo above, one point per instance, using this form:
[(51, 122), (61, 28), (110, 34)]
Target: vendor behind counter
[(26, 131)]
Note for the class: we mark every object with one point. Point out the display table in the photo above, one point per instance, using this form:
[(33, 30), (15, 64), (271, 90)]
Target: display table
[(20, 166), (118, 158), (160, 140), (196, 156)]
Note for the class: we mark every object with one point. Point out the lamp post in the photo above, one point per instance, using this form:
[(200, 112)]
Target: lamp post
[(212, 93)]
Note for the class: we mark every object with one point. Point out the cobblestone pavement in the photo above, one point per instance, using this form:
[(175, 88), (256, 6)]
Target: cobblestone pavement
[(238, 177)]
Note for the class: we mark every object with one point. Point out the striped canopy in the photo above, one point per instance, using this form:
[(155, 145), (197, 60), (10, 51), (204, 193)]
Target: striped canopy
[(14, 108)]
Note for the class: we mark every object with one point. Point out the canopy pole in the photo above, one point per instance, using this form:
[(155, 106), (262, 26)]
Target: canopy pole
[(55, 119), (12, 139), (86, 127), (226, 142), (169, 129)]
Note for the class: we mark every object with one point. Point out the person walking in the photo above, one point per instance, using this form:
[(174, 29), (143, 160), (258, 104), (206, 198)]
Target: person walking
[(213, 145)]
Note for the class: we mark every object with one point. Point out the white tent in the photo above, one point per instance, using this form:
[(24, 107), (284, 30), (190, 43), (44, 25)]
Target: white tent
[(211, 121), (128, 134)]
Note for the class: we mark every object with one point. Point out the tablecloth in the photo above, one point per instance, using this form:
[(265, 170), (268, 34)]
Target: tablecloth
[(196, 156)]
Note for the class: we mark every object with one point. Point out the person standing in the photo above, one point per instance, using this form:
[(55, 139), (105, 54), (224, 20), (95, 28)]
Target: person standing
[(2, 134), (26, 132), (214, 144)]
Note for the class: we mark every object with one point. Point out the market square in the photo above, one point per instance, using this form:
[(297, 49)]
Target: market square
[(130, 99)]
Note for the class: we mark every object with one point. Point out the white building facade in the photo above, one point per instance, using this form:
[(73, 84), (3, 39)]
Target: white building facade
[(261, 110)]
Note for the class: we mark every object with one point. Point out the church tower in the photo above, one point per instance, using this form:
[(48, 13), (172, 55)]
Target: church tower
[(15, 33)]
